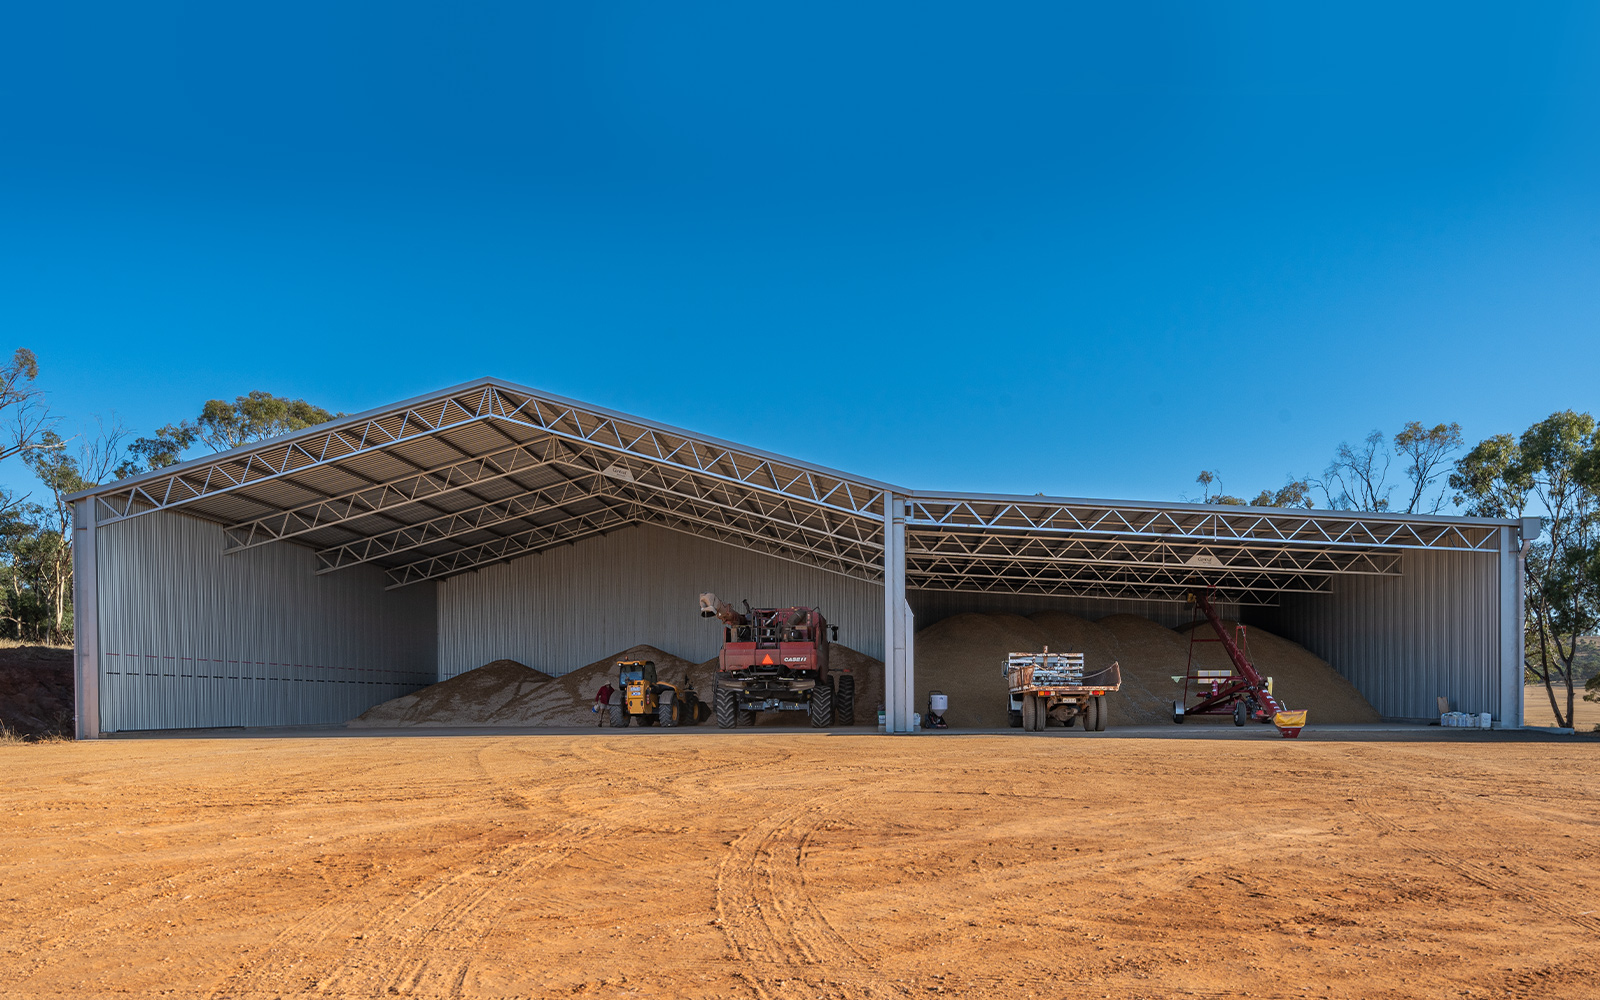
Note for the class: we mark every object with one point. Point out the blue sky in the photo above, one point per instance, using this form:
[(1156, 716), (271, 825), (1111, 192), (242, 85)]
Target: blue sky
[(1083, 250)]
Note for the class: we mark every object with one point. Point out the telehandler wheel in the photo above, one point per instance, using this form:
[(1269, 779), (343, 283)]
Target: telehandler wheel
[(821, 706), (1100, 714), (619, 715), (667, 710), (1241, 715), (1091, 714), (727, 708), (844, 701)]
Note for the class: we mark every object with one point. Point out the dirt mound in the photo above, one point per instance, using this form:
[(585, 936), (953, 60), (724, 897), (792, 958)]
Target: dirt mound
[(36, 691), (1299, 677)]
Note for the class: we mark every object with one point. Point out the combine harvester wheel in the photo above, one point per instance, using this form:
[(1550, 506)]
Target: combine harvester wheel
[(821, 706), (844, 701), (727, 708)]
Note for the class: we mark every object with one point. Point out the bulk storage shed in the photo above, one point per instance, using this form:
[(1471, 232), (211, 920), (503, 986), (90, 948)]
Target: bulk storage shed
[(300, 580)]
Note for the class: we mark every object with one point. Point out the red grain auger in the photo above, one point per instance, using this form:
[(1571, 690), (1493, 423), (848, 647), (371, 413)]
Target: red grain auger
[(1241, 692)]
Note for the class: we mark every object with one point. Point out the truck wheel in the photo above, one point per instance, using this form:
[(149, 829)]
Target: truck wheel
[(844, 701), (1014, 720), (619, 715), (821, 706), (1241, 715), (1091, 714), (727, 708), (1030, 713), (667, 710), (1100, 713)]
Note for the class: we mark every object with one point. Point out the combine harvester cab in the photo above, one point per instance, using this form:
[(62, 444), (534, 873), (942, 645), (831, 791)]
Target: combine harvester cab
[(1045, 686), (1241, 692), (776, 660)]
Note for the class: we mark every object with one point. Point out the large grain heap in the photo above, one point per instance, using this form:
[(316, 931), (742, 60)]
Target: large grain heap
[(961, 656), (507, 693)]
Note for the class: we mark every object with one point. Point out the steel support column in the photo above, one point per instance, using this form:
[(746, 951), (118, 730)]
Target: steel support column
[(1514, 713), (85, 622), (898, 680)]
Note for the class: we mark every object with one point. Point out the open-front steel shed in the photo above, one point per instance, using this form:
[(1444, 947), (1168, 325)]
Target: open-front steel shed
[(303, 579)]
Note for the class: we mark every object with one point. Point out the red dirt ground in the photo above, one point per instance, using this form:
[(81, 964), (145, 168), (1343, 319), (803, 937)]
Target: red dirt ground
[(780, 864)]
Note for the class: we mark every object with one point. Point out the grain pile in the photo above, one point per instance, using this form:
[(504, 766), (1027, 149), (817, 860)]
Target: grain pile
[(961, 656), (507, 693), (1299, 677)]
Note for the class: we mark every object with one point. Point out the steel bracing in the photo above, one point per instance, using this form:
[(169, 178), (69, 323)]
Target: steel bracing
[(490, 471)]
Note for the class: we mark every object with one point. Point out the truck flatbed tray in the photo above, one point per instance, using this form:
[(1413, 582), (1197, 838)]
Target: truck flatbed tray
[(1026, 679)]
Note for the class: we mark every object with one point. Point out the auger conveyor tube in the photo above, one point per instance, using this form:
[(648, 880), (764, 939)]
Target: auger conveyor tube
[(1288, 723)]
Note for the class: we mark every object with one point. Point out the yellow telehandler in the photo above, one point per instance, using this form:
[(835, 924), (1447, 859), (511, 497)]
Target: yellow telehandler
[(654, 702)]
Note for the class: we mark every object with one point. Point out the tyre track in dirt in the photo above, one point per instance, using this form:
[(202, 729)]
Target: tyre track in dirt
[(402, 926), (1372, 808), (1499, 882), (767, 909)]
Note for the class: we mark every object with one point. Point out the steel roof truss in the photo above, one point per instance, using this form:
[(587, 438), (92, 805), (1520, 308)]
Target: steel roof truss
[(1289, 526), (1147, 551)]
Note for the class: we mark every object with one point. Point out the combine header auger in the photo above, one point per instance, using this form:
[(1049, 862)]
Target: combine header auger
[(1241, 692), (777, 659)]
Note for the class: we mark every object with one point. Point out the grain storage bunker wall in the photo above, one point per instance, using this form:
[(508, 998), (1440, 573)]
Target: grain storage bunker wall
[(303, 579)]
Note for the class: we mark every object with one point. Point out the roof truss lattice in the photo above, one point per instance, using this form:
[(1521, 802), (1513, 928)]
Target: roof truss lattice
[(489, 471)]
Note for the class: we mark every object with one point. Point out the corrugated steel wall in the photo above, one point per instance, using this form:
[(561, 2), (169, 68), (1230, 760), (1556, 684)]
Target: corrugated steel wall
[(1403, 641), (567, 607), (192, 638)]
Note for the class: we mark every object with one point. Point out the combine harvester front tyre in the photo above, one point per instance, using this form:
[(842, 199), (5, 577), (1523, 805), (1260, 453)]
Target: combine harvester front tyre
[(821, 706), (844, 701), (727, 705)]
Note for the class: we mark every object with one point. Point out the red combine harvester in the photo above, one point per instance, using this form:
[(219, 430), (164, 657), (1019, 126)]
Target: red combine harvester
[(1241, 692), (776, 659)]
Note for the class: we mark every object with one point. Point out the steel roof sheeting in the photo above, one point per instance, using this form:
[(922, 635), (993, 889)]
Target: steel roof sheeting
[(488, 471)]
